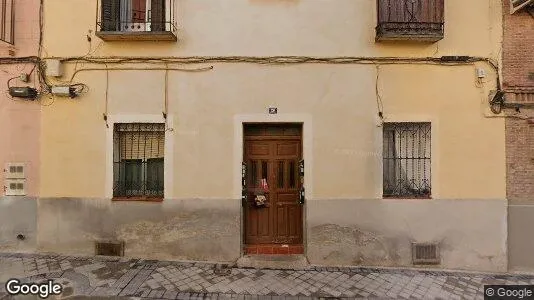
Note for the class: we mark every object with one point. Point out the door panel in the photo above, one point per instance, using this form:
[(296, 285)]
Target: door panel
[(287, 149), (276, 160), (259, 148)]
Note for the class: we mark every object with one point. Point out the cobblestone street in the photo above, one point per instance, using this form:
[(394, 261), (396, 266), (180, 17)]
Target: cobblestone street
[(119, 277)]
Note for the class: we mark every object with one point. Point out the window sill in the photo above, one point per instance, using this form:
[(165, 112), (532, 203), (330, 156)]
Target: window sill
[(136, 199), (137, 36)]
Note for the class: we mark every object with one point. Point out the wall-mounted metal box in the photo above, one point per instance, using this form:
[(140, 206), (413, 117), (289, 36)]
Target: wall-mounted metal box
[(54, 68)]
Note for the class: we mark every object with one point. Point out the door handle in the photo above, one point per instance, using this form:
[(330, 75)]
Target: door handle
[(301, 196)]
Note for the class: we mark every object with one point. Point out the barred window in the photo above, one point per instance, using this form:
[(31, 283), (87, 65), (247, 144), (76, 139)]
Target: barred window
[(137, 15), (407, 160), (138, 160)]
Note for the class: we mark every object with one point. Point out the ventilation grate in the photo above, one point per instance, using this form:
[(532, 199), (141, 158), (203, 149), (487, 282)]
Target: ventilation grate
[(425, 254), (109, 248)]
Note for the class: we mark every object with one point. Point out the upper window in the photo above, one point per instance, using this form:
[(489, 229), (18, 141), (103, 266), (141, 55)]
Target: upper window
[(138, 160), (407, 160), (419, 20), (136, 20), (516, 5), (7, 21)]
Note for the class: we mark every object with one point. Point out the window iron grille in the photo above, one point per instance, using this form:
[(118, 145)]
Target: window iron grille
[(407, 160), (7, 21), (136, 16), (138, 160), (421, 20)]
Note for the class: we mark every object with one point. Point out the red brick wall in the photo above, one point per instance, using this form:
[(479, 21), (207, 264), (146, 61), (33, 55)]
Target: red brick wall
[(518, 72), (518, 48), (520, 159)]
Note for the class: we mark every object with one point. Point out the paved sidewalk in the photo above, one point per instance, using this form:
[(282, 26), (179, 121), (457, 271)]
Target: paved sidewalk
[(133, 278)]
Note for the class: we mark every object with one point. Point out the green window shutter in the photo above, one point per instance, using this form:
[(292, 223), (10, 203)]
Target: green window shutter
[(134, 177), (110, 15), (154, 176), (158, 15)]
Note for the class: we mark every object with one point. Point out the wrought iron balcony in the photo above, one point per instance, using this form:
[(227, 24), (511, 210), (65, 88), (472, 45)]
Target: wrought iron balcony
[(416, 20), (141, 20)]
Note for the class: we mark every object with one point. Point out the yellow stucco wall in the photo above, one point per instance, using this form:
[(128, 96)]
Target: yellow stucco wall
[(468, 148), (276, 27)]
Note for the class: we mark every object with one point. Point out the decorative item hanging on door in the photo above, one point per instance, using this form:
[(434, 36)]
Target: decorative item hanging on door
[(302, 194), (260, 193), (243, 184)]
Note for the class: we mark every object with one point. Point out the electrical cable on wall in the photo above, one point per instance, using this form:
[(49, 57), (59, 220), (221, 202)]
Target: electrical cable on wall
[(9, 81), (166, 95), (275, 60), (379, 103), (280, 60), (272, 60), (106, 101), (137, 69)]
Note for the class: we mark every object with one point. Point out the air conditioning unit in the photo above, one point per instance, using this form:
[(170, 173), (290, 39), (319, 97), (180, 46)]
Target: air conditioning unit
[(23, 92), (516, 5)]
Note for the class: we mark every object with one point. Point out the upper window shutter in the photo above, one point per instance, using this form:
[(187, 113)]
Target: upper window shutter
[(7, 21), (139, 11), (516, 5), (134, 176), (158, 15), (110, 15)]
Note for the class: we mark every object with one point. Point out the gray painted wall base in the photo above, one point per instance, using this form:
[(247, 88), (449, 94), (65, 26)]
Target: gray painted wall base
[(376, 232), (18, 216), (355, 232)]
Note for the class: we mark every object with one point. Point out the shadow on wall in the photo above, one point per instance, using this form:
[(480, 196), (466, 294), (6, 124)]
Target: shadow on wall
[(333, 244)]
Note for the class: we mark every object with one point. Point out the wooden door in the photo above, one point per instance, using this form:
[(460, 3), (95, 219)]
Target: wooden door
[(274, 155)]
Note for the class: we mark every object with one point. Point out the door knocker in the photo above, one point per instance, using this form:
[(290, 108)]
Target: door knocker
[(260, 199)]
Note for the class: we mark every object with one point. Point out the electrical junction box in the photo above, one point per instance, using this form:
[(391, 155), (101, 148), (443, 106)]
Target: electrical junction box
[(64, 91), (23, 92), (53, 68), (481, 73), (14, 171), (15, 187), (24, 77), (15, 179)]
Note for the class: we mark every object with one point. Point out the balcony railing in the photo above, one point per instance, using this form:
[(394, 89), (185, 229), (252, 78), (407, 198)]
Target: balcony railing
[(7, 21), (147, 20), (418, 20)]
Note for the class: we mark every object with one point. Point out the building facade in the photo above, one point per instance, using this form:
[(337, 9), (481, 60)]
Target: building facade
[(19, 124), (518, 85), (352, 134)]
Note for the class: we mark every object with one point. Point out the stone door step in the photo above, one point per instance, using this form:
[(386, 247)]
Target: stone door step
[(274, 261)]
